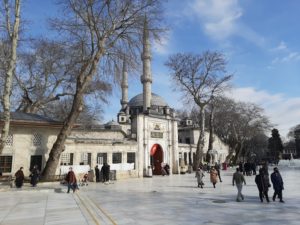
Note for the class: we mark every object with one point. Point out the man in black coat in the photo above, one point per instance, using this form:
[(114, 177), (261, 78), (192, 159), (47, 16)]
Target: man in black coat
[(277, 184), (105, 172), (97, 172), (263, 184)]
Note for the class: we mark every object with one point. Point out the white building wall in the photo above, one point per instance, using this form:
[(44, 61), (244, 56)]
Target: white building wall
[(23, 148)]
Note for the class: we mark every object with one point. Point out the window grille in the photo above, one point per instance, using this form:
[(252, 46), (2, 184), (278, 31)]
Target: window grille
[(65, 159), (9, 140), (117, 157), (101, 158), (130, 157), (86, 158), (5, 164), (37, 139)]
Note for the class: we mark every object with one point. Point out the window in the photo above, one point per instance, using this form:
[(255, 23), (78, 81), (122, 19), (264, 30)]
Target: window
[(117, 158), (37, 139), (9, 140), (86, 158), (187, 140), (185, 158), (5, 164), (131, 158), (66, 159), (101, 158)]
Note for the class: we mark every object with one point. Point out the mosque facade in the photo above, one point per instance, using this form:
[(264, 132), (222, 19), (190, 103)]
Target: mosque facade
[(146, 135)]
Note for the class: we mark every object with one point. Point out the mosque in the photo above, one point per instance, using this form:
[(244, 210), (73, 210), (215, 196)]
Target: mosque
[(145, 135)]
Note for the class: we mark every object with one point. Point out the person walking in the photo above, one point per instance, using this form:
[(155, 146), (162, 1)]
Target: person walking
[(71, 180), (19, 178), (213, 176), (105, 172), (277, 184), (97, 173), (200, 175), (263, 183), (217, 167), (238, 179), (34, 176)]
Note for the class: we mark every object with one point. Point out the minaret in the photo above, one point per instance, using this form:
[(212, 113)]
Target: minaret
[(124, 86), (146, 78)]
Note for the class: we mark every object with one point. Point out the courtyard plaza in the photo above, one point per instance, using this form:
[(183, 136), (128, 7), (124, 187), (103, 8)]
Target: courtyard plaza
[(173, 199)]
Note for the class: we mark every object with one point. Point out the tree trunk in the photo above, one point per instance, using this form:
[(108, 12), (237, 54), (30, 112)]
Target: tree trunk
[(211, 133), (238, 152), (201, 140), (85, 77), (230, 155), (9, 74)]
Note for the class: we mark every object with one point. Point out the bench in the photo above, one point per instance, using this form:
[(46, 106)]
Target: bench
[(8, 180)]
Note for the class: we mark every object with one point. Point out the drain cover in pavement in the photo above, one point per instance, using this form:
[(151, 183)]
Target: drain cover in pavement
[(58, 190), (219, 201)]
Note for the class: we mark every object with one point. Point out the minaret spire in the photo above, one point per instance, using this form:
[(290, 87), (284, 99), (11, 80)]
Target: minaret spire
[(146, 78), (124, 86)]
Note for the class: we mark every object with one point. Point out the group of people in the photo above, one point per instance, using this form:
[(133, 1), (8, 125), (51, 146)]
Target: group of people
[(72, 181), (214, 172), (247, 168), (34, 177), (105, 170), (262, 182)]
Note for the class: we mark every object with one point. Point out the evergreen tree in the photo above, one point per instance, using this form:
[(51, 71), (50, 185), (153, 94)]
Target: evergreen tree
[(275, 146)]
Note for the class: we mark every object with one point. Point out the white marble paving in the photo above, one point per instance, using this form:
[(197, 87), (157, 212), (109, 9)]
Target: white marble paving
[(158, 200)]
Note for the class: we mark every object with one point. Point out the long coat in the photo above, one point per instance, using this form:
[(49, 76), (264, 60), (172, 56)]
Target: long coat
[(71, 178), (277, 181), (199, 175), (214, 176), (35, 173), (19, 178), (262, 181)]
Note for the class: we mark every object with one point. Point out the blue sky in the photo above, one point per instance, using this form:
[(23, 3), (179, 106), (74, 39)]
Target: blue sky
[(260, 40)]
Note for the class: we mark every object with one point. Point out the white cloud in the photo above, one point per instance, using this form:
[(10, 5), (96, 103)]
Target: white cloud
[(292, 56), (219, 18), (285, 54), (162, 46), (282, 111), (281, 47)]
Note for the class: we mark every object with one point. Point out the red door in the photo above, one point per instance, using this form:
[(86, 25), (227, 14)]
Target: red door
[(157, 158)]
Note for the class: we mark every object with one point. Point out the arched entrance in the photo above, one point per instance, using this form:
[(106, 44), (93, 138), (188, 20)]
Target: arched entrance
[(156, 157)]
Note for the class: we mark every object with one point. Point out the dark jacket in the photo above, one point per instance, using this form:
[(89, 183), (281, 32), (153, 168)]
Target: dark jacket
[(97, 172), (19, 178), (262, 181), (71, 178), (277, 181)]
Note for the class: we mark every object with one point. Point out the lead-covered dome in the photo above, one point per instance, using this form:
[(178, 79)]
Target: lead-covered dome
[(156, 100)]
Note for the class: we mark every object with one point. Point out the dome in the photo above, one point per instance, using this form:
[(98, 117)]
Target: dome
[(156, 100)]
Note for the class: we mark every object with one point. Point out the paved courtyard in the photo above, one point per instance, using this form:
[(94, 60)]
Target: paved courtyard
[(159, 200)]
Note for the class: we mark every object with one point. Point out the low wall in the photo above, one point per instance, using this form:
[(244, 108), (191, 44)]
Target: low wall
[(126, 174)]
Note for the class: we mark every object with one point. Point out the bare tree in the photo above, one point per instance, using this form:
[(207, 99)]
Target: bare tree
[(237, 123), (200, 78), (44, 75), (103, 31), (11, 38)]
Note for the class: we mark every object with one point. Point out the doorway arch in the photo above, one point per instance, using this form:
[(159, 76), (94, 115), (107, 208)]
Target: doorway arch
[(156, 158)]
